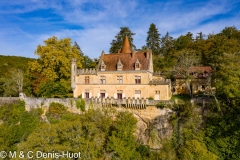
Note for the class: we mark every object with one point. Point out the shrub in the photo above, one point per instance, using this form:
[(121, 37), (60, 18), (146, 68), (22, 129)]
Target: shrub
[(150, 98), (160, 105), (57, 109), (80, 104)]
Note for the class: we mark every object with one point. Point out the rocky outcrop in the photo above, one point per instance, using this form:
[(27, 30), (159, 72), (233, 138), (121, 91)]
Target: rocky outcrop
[(153, 126)]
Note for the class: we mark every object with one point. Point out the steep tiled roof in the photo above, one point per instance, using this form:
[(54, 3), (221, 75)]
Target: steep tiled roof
[(198, 72), (127, 59), (200, 69), (126, 48)]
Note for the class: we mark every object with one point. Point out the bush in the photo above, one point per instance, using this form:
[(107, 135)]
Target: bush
[(160, 105), (80, 104), (150, 98), (57, 109)]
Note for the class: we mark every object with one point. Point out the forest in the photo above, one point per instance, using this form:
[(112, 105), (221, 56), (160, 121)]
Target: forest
[(109, 134)]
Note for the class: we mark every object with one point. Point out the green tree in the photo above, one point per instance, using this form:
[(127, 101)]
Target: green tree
[(222, 132), (153, 39), (116, 44), (55, 60), (78, 47), (196, 150), (16, 124), (87, 134), (122, 142), (184, 41), (1, 87), (51, 89), (231, 32), (228, 76), (166, 44)]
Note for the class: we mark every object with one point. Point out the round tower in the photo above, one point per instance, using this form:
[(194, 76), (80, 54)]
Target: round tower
[(73, 73)]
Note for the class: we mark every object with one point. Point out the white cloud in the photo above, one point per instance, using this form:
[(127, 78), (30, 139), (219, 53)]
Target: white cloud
[(101, 20)]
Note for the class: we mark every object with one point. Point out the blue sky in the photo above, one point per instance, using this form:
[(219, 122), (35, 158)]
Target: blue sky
[(24, 24)]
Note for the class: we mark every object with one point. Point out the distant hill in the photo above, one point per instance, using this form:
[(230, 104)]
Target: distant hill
[(9, 62)]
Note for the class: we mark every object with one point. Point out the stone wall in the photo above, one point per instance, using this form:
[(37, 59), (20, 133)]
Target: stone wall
[(70, 103), (8, 100), (130, 103)]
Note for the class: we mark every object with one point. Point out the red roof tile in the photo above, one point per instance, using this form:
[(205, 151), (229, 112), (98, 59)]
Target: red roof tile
[(128, 60), (201, 69)]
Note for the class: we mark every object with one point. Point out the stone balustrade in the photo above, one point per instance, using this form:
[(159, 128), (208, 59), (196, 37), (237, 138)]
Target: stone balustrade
[(156, 73), (86, 71), (160, 82), (132, 103)]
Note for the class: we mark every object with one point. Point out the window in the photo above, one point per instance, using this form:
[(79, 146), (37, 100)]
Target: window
[(137, 94), (137, 79), (103, 79), (137, 65), (157, 95), (120, 79), (103, 66), (86, 79), (86, 94), (137, 91), (157, 92), (119, 94), (119, 65), (102, 93)]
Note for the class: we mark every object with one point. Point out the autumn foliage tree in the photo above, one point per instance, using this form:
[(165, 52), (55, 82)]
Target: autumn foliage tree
[(54, 61)]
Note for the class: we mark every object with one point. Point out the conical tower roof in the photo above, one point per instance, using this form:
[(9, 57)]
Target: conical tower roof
[(126, 48)]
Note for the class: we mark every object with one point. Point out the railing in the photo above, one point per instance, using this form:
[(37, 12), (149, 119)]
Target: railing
[(134, 103), (86, 71), (160, 82)]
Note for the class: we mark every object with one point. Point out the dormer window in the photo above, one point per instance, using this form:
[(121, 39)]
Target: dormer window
[(103, 66), (137, 65), (119, 65)]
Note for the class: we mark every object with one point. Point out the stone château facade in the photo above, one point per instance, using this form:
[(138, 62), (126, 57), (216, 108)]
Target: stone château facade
[(123, 75)]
